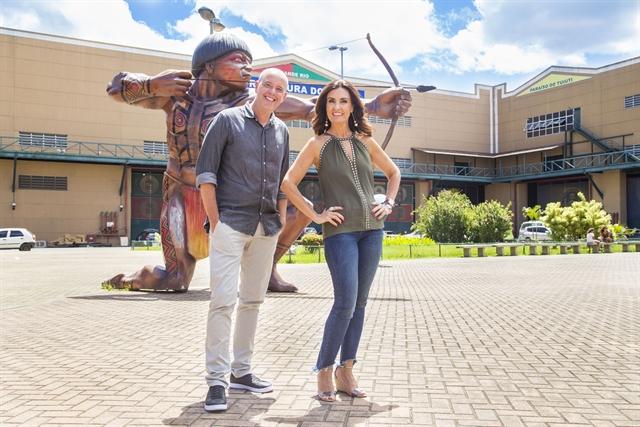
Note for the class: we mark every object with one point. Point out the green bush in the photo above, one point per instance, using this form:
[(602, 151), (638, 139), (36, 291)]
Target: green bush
[(311, 242), (620, 232), (572, 222), (489, 222), (444, 217), (450, 217)]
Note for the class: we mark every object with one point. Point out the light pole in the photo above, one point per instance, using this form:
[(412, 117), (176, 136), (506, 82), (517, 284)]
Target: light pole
[(214, 23), (341, 49)]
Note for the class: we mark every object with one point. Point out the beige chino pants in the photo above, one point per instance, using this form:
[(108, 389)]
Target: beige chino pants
[(232, 255)]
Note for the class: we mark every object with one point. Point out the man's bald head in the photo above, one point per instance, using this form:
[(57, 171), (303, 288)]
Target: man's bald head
[(274, 72)]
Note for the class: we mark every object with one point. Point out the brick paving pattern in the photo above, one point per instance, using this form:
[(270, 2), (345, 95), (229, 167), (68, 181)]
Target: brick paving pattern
[(524, 341)]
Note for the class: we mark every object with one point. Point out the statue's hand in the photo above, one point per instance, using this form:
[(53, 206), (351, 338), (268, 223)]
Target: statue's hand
[(395, 101), (170, 83)]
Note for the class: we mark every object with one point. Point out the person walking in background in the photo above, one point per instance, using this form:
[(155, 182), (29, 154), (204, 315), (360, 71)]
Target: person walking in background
[(239, 172), (345, 155)]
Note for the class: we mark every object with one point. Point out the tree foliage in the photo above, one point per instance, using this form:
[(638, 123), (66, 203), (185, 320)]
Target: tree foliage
[(532, 213), (572, 222), (311, 242), (443, 218), (450, 217), (489, 221)]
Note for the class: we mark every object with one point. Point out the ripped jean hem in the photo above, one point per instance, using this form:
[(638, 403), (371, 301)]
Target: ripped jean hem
[(315, 370), (343, 362)]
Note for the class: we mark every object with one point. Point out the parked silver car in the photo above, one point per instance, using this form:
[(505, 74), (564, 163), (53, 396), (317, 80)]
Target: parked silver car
[(526, 224), (537, 232)]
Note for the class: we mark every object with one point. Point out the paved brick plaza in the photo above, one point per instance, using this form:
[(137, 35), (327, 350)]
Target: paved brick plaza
[(536, 341)]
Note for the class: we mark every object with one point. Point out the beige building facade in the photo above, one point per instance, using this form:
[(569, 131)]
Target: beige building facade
[(72, 161)]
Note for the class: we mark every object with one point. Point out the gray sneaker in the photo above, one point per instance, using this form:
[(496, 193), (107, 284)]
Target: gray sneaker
[(216, 400), (250, 382)]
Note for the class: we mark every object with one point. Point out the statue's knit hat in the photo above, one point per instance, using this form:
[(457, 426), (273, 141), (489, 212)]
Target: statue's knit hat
[(214, 46)]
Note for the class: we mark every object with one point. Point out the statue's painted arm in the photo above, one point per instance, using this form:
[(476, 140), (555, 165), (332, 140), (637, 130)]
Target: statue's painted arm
[(294, 108), (153, 92)]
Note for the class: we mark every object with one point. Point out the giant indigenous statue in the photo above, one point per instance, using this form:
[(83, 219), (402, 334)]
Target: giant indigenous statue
[(219, 79)]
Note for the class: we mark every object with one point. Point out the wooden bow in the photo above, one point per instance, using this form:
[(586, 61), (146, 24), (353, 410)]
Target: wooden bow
[(382, 59)]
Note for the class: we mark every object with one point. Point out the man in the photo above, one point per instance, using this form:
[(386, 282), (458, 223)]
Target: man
[(221, 67), (241, 166)]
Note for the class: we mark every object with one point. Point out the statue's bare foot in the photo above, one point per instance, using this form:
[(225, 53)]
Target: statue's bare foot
[(277, 284)]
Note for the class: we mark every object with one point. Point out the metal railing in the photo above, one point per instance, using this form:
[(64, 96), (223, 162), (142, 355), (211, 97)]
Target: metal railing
[(629, 157), (10, 147)]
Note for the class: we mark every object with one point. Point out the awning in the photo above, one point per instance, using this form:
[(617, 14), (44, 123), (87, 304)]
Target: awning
[(487, 155)]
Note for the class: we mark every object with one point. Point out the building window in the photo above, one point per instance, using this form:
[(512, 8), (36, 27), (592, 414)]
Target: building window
[(404, 121), (156, 147), (35, 182), (551, 123), (298, 124), (48, 140), (632, 101)]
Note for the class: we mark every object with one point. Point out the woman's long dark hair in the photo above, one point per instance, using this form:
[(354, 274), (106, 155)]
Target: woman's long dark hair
[(321, 118)]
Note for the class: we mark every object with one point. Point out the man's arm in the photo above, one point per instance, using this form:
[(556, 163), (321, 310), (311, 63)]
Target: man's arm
[(282, 198), (208, 165), (152, 92), (208, 195), (282, 211)]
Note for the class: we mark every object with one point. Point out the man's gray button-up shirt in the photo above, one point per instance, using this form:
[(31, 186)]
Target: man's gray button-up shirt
[(246, 162)]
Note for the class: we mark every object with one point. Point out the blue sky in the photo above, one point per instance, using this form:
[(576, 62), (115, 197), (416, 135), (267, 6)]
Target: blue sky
[(448, 43)]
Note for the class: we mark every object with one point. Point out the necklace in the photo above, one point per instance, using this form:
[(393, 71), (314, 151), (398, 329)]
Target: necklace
[(341, 138)]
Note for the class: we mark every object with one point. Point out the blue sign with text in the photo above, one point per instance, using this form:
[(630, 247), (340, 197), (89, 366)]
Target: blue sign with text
[(301, 88)]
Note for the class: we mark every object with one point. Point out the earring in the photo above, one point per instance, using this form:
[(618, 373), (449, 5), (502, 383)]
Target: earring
[(326, 123), (355, 122)]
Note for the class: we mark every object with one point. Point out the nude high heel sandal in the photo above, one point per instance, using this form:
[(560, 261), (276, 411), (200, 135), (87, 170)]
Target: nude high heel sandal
[(344, 387), (326, 395)]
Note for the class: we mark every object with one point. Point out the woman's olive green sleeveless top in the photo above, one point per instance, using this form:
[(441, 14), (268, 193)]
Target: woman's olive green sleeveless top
[(348, 182)]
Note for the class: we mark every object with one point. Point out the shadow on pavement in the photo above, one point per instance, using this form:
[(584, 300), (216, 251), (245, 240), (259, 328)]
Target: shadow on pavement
[(361, 410), (200, 295), (242, 408), (193, 295)]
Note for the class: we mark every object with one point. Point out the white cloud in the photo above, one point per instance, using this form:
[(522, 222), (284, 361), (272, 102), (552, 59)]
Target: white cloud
[(517, 37), (402, 30), (507, 38), (111, 21)]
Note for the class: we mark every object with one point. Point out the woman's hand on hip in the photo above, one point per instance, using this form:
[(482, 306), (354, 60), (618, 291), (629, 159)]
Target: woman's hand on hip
[(380, 211), (330, 215)]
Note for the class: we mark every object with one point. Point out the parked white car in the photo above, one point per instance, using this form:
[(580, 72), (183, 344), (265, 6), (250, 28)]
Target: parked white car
[(17, 238), (535, 233), (526, 224)]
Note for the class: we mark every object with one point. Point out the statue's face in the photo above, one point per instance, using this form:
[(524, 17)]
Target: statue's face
[(233, 69)]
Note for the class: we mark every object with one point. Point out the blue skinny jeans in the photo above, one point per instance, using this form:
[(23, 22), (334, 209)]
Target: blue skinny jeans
[(353, 260)]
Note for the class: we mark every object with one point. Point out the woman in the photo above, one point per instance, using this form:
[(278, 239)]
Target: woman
[(344, 153), (605, 235), (592, 242)]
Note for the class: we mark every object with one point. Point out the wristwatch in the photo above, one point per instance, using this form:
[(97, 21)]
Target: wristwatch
[(389, 202)]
